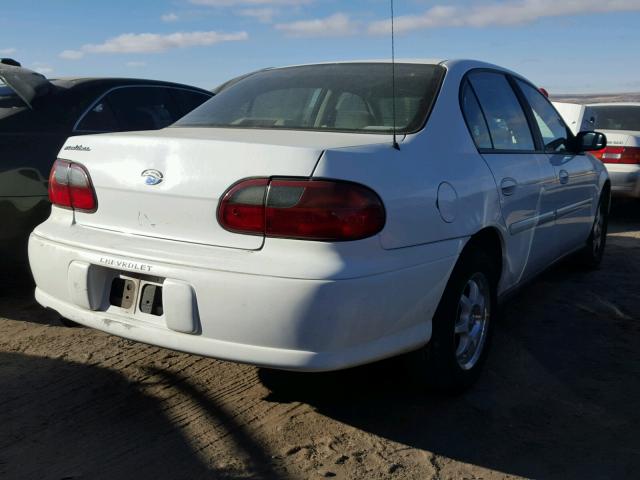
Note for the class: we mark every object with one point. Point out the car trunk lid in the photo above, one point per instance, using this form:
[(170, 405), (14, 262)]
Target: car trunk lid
[(189, 171), (623, 147)]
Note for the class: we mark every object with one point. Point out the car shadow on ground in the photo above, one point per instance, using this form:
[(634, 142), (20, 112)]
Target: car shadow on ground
[(625, 215), (82, 421), (17, 298), (556, 397)]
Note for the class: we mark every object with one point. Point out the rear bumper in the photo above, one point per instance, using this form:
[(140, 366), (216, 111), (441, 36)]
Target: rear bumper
[(625, 179), (273, 321)]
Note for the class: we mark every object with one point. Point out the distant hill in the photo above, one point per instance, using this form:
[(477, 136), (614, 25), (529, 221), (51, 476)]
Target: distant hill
[(597, 98)]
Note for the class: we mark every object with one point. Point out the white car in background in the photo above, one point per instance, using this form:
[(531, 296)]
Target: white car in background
[(574, 114), (280, 224), (620, 122)]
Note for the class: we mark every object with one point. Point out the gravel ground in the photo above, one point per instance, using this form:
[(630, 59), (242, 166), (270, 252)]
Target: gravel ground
[(558, 398), (602, 98)]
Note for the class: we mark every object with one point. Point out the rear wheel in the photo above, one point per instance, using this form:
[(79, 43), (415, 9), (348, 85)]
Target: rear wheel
[(591, 255), (462, 326)]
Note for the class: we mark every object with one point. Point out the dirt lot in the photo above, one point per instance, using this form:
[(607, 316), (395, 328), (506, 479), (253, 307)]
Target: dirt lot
[(602, 98), (559, 398)]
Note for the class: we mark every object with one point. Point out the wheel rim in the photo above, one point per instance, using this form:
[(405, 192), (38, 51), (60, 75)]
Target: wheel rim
[(598, 230), (472, 323)]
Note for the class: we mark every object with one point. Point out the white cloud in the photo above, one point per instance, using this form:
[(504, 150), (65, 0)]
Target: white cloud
[(242, 3), (336, 25), (262, 10), (154, 43), (136, 64), (7, 51), (264, 15), (505, 13), (169, 17), (71, 54), (42, 68)]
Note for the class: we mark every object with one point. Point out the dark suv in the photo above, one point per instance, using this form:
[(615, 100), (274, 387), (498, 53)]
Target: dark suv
[(37, 115)]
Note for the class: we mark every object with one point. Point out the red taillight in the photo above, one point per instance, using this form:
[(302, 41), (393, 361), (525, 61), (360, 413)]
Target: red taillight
[(326, 210), (626, 155), (242, 207), (70, 187)]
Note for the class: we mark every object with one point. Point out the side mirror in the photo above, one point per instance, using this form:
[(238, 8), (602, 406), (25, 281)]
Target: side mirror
[(590, 141)]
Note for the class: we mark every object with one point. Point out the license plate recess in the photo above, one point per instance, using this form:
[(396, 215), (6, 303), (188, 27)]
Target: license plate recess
[(137, 295)]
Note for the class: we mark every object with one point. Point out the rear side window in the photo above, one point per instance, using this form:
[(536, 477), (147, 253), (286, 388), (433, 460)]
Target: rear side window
[(99, 119), (141, 108), (474, 118), (130, 109), (504, 115), (554, 132)]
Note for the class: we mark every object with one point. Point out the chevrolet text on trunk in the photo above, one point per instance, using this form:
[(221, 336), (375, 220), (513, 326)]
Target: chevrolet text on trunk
[(277, 225)]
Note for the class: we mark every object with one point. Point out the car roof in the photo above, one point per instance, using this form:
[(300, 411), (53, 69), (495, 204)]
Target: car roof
[(72, 82), (614, 104), (463, 64), (428, 61)]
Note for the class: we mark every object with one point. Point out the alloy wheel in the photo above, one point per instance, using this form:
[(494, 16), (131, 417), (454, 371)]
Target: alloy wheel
[(472, 323)]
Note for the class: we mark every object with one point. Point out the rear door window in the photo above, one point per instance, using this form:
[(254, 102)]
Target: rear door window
[(555, 133), (505, 118)]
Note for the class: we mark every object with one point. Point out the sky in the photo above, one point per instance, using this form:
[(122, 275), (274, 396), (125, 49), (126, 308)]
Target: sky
[(566, 46)]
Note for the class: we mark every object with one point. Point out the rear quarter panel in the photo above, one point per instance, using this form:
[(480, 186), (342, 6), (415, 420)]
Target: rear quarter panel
[(408, 180)]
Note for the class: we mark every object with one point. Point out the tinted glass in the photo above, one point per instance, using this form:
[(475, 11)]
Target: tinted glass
[(142, 108), (338, 97), (620, 117), (99, 119), (187, 100), (506, 120), (474, 118), (554, 131), (130, 109)]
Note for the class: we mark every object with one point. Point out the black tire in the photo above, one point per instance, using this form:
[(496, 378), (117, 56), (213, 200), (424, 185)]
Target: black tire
[(69, 323), (590, 256), (438, 365)]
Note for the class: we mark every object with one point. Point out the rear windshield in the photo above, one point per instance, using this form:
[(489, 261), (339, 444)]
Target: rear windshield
[(349, 97), (622, 117)]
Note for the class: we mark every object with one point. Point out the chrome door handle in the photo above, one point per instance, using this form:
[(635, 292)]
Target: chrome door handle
[(564, 177), (508, 186)]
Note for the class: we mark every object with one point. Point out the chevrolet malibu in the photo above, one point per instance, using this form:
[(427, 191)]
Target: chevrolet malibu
[(318, 217)]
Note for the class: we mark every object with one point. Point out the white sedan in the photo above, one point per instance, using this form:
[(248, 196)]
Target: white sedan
[(280, 224), (620, 122)]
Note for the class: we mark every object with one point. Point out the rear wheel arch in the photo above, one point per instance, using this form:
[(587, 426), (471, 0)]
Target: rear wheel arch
[(490, 242), (439, 364)]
